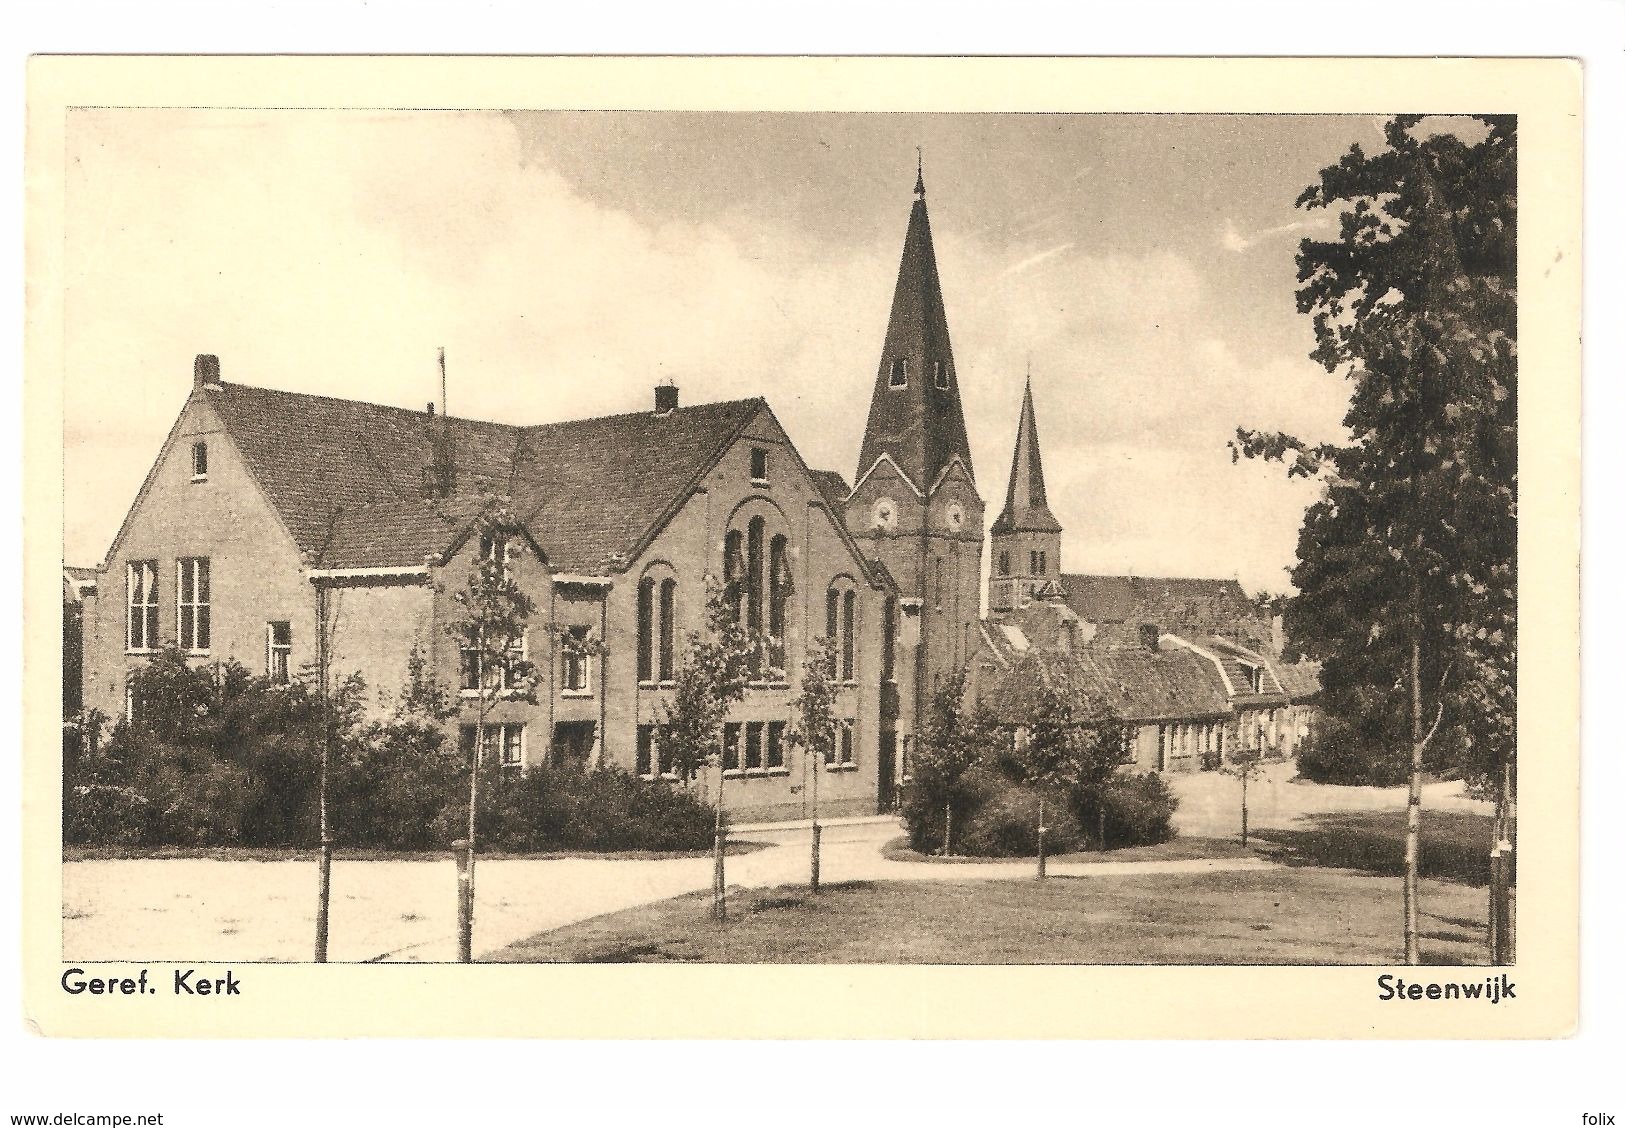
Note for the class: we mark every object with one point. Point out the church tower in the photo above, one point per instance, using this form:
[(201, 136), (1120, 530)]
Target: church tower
[(1026, 536), (914, 507)]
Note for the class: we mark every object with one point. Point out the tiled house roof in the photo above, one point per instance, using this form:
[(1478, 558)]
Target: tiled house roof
[(1183, 606), (346, 477), (1138, 685), (833, 487)]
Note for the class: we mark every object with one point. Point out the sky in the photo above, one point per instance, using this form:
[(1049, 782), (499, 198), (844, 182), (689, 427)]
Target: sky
[(1142, 265)]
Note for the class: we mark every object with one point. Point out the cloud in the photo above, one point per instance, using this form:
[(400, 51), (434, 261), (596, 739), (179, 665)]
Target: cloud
[(333, 253), (1231, 239)]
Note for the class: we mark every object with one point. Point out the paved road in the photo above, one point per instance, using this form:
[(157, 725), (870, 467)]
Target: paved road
[(196, 909)]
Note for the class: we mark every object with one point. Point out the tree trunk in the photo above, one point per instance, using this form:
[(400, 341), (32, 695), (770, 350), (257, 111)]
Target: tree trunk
[(324, 866), (465, 884), (1413, 811), (719, 875), (948, 830)]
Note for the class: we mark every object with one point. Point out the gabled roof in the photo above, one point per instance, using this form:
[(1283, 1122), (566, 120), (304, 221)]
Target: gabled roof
[(346, 476), (1179, 605), (833, 487), (1026, 508), (1138, 685)]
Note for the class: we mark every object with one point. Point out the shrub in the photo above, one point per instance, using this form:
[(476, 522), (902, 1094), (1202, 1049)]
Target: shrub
[(1334, 753), (1005, 825), (1138, 810), (606, 809)]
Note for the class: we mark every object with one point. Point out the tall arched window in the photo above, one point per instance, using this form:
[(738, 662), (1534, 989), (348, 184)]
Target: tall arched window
[(668, 628), (755, 564), (733, 571), (779, 589), (849, 615), (646, 628), (840, 625), (657, 629)]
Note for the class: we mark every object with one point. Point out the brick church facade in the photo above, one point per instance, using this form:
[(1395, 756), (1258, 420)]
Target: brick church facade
[(271, 519)]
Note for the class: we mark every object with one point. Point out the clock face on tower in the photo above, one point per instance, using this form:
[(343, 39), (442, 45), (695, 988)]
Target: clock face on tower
[(885, 513), (956, 516)]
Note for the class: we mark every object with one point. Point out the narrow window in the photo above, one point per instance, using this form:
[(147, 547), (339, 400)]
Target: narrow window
[(753, 746), (468, 666), (646, 629), (754, 563), (758, 465), (495, 548), (940, 372), (646, 745), (200, 461), (779, 587), (730, 746), (665, 761), (1004, 563), (775, 745), (513, 747), (1032, 562), (193, 603), (888, 640), (832, 614), (849, 754), (1043, 563), (141, 620), (899, 372), (668, 627), (278, 651), (577, 662), (849, 604), (733, 571)]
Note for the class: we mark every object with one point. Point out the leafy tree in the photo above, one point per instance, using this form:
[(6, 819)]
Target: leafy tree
[(715, 670), (488, 629), (816, 725), (1407, 570), (711, 678), (955, 739)]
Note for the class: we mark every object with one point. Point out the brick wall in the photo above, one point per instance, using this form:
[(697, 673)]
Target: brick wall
[(255, 571)]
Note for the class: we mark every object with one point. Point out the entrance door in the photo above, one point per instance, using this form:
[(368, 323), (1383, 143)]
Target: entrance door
[(887, 767)]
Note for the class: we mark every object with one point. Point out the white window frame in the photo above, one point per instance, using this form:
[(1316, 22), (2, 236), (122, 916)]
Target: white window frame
[(939, 373), (506, 688), (203, 474), (195, 604), (761, 479), (584, 656), (272, 648), (843, 752), (148, 608)]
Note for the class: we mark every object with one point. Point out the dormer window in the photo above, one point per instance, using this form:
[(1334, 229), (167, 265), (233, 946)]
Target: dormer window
[(899, 372), (939, 372), (758, 465), (200, 461)]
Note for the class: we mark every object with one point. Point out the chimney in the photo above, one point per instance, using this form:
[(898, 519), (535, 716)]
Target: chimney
[(1150, 636), (429, 407), (206, 371), (665, 398)]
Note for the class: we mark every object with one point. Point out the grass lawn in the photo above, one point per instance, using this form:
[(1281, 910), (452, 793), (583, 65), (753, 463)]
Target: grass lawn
[(1278, 916), (1180, 849), (362, 854), (1455, 844)]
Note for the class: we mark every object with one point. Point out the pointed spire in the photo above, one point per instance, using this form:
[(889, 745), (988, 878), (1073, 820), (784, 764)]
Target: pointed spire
[(1026, 508), (915, 415), (919, 173)]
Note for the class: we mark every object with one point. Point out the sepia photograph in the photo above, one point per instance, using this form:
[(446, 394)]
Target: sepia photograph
[(702, 556), (541, 535)]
